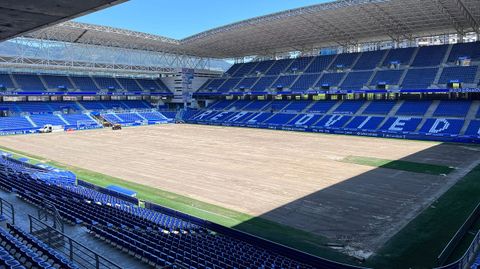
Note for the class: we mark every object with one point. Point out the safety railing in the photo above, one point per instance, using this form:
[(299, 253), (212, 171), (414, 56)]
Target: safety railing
[(7, 211), (75, 251)]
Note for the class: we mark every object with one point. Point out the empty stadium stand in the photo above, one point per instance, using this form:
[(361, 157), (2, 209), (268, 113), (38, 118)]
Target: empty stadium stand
[(158, 235), (445, 120), (406, 69), (26, 117), (20, 82)]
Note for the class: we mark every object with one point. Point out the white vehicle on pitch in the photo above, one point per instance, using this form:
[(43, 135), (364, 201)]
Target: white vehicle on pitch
[(48, 128)]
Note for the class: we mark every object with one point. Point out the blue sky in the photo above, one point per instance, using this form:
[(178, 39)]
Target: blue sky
[(182, 18)]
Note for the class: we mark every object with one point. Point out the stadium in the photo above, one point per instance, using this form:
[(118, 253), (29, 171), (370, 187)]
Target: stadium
[(343, 134)]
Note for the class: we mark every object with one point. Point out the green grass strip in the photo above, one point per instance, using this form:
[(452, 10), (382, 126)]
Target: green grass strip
[(423, 168), (286, 235), (423, 239)]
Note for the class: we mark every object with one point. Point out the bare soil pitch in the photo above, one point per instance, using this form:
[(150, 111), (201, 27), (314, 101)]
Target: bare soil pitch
[(292, 178)]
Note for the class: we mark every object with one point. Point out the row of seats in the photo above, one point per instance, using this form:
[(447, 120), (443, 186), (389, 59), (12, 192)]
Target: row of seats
[(137, 117), (37, 121), (409, 68), (34, 82), (70, 114), (436, 126), (445, 108), (38, 250), (159, 238), (70, 107), (21, 250), (419, 78), (426, 56), (448, 118), (115, 105)]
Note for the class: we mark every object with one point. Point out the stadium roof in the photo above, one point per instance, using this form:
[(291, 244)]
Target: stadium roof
[(21, 16), (339, 23)]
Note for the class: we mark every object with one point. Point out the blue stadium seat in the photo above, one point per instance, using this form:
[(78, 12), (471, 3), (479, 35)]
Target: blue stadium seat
[(277, 105), (136, 104), (333, 121), (246, 83), (365, 123), (241, 116), (452, 109), (56, 82), (279, 67), (14, 123), (256, 105), (74, 119), (470, 50), (213, 84), (305, 119), (442, 126), (240, 104), (6, 81), (419, 78), (388, 77), (464, 74), (156, 116), (280, 119), (414, 108), (129, 117), (258, 118), (263, 84), (401, 56), (284, 81), (10, 107), (369, 60), (29, 82), (93, 105), (305, 82), (233, 69), (84, 83), (299, 64), (45, 107), (149, 84), (356, 80), (330, 79), (345, 60), (320, 63), (322, 106), (473, 128), (42, 120), (244, 69), (297, 106), (221, 117), (430, 56), (221, 104), (261, 68), (229, 84), (349, 107), (401, 124), (379, 107), (129, 84), (106, 83)]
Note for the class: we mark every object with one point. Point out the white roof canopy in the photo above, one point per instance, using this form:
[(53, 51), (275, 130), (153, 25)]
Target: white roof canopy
[(339, 23)]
